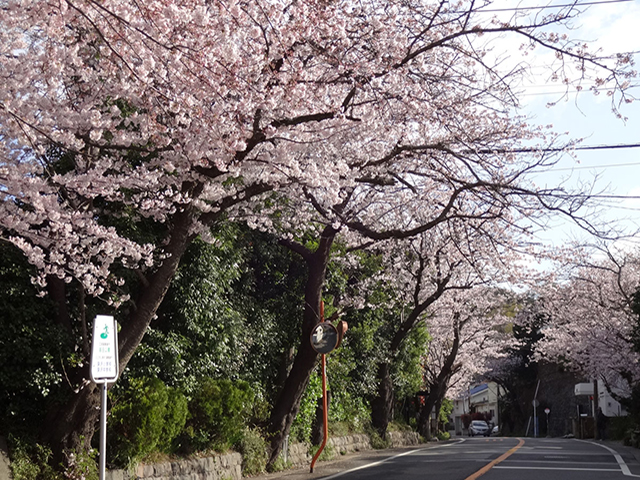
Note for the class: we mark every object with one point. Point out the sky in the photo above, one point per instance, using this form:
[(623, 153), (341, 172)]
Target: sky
[(612, 26)]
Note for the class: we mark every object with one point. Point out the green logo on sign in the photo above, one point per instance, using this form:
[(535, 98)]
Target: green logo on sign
[(105, 334)]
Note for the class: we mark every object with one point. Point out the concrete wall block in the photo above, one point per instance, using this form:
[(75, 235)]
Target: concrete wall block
[(162, 470), (114, 475)]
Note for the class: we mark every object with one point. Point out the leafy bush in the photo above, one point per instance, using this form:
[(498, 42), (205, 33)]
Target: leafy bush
[(303, 423), (30, 461), (144, 419), (175, 417), (328, 452), (216, 414), (253, 448), (443, 436), (377, 442), (82, 465)]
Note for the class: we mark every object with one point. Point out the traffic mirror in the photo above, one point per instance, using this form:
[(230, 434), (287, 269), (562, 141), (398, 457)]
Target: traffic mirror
[(324, 337)]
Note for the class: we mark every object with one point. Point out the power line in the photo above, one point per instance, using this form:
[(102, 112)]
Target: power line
[(491, 151), (587, 167), (606, 147), (515, 9)]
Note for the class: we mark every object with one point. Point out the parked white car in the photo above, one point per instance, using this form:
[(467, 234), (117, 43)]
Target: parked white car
[(479, 427)]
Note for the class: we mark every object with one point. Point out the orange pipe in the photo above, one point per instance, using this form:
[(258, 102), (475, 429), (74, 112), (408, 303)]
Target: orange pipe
[(325, 415)]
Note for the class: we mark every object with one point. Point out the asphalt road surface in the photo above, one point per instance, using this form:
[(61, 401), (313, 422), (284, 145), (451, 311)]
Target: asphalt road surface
[(488, 459), (503, 459)]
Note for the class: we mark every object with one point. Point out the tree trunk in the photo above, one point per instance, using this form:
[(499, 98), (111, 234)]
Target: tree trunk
[(72, 425), (382, 404), (438, 406), (438, 386), (288, 404)]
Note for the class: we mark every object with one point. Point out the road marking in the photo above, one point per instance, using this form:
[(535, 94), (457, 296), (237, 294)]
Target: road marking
[(504, 467), (616, 455), (380, 462), (574, 462), (495, 462)]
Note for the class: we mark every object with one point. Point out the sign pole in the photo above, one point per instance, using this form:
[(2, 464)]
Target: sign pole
[(103, 432), (104, 369), (325, 416), (547, 411)]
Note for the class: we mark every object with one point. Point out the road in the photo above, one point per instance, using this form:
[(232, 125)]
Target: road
[(489, 459)]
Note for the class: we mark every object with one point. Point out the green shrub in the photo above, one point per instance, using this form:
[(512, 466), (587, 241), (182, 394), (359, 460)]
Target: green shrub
[(328, 453), (30, 461), (175, 418), (303, 423), (253, 448), (144, 419), (377, 442), (399, 426), (216, 414), (82, 466), (442, 436)]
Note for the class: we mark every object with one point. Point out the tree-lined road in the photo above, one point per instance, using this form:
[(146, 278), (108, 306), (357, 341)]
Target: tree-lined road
[(491, 459)]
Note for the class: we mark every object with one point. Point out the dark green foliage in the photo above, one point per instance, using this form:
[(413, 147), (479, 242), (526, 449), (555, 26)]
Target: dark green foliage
[(217, 414), (199, 332), (30, 461), (407, 367), (144, 419), (253, 448), (34, 350), (175, 417), (445, 411), (303, 423), (233, 311)]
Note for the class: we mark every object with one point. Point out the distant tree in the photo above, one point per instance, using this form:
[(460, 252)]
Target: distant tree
[(591, 320)]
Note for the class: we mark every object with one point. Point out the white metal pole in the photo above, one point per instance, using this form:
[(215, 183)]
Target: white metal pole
[(535, 416), (103, 432)]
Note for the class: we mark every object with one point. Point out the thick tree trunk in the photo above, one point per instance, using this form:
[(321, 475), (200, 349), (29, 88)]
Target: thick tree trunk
[(288, 404), (438, 386), (382, 405), (72, 426)]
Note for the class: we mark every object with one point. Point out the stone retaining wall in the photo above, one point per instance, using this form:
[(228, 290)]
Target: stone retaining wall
[(337, 446), (229, 466), (218, 467)]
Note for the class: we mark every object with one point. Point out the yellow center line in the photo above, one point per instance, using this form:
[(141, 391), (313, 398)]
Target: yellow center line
[(493, 463)]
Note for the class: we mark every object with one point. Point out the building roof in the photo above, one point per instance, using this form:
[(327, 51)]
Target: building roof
[(478, 389)]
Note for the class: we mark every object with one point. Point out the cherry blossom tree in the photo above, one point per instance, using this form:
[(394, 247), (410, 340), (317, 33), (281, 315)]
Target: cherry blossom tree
[(468, 335), (437, 277), (591, 321), (127, 129)]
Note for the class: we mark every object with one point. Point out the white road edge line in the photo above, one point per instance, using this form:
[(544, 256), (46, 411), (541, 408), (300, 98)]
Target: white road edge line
[(616, 455), (559, 468), (380, 462)]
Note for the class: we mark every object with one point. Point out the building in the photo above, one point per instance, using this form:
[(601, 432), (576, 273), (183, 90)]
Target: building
[(483, 398)]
